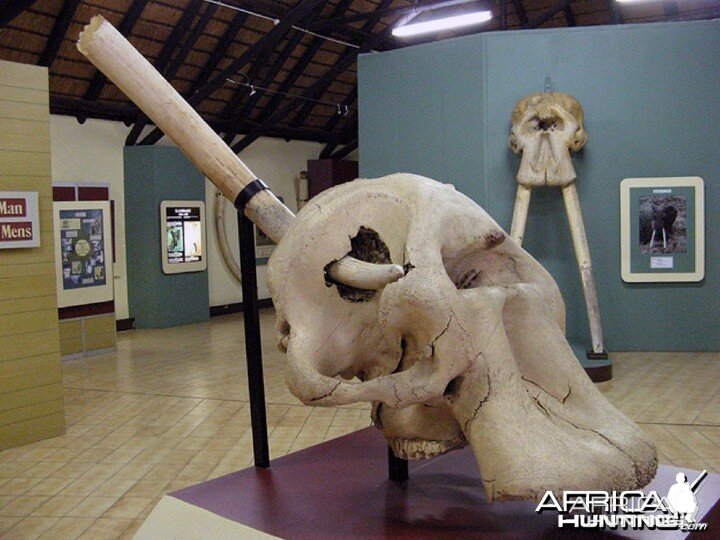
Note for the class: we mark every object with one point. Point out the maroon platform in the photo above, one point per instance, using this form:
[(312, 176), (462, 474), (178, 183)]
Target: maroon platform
[(340, 489)]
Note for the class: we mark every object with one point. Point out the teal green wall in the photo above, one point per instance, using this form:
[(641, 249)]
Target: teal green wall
[(651, 95), (156, 300)]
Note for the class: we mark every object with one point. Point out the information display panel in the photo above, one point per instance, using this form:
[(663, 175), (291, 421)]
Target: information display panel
[(182, 233), (83, 252)]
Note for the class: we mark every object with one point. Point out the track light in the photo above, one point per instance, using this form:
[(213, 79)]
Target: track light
[(446, 23)]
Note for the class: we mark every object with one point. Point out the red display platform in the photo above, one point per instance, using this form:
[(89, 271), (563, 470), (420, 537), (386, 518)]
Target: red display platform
[(340, 490)]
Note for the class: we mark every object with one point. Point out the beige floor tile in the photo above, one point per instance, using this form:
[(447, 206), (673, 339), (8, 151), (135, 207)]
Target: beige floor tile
[(22, 506), (58, 505), (147, 488), (114, 487), (67, 528), (18, 486), (7, 523), (104, 528), (92, 507), (128, 507), (30, 527), (49, 486)]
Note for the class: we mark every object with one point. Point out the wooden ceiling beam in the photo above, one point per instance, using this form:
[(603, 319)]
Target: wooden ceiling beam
[(521, 13), (336, 136), (549, 14), (345, 150), (218, 53), (57, 35), (314, 90), (617, 16), (238, 115), (308, 106), (267, 42), (670, 8), (418, 7), (13, 8), (95, 87), (165, 63), (569, 16)]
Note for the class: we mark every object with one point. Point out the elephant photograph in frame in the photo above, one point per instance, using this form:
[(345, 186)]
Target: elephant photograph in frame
[(662, 229)]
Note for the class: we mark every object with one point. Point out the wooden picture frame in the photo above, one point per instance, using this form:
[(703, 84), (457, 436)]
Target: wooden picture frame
[(662, 229)]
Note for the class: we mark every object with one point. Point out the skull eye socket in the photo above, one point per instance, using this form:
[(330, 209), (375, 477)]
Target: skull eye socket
[(367, 246), (546, 123)]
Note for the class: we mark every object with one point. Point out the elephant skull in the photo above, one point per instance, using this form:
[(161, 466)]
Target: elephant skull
[(403, 292), (545, 127)]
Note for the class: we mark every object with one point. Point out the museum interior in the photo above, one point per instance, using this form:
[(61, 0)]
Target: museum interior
[(359, 269)]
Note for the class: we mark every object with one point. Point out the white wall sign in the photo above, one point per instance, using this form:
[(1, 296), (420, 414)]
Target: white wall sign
[(19, 219)]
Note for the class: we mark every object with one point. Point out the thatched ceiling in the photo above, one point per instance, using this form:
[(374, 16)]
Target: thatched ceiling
[(199, 44)]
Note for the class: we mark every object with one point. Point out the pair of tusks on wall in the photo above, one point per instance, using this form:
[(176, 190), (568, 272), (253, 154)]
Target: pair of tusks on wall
[(112, 54)]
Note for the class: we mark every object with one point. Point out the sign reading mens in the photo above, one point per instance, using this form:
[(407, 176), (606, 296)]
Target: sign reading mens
[(19, 221)]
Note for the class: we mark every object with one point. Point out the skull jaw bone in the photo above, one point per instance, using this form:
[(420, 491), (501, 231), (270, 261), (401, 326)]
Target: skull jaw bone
[(453, 356)]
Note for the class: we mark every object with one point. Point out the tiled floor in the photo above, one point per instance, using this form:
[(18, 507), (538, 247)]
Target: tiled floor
[(170, 409)]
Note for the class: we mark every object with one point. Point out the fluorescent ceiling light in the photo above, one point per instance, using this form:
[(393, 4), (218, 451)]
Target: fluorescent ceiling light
[(447, 23)]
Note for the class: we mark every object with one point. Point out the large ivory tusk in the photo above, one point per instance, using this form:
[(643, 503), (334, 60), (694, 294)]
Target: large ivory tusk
[(112, 54), (364, 275)]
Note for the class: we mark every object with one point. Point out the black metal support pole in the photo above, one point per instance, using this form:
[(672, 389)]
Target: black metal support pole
[(253, 350), (397, 468)]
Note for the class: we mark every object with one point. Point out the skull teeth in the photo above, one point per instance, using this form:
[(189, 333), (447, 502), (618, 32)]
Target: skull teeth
[(424, 449)]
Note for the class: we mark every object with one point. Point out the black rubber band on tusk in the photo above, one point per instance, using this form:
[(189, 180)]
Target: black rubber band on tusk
[(248, 192)]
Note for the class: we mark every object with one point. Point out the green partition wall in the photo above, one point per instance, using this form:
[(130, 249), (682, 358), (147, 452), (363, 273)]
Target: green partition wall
[(156, 300), (651, 95)]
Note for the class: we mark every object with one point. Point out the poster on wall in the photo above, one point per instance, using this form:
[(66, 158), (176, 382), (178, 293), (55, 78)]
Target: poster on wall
[(182, 233), (662, 229), (83, 252)]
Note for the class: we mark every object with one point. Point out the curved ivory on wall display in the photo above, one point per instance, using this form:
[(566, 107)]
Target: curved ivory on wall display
[(546, 127)]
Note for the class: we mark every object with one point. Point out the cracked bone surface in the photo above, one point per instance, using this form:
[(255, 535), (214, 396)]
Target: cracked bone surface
[(545, 127), (467, 347)]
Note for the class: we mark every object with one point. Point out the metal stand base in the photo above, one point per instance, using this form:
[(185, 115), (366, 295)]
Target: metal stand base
[(253, 351), (397, 468)]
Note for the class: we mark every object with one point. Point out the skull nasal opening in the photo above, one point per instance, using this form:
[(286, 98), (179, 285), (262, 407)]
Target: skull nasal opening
[(367, 246)]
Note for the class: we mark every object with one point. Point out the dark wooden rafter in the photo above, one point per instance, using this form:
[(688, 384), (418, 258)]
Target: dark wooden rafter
[(345, 150), (503, 15), (670, 8), (238, 112), (57, 35), (13, 8), (219, 51), (309, 105), (569, 16), (125, 27), (165, 63), (520, 10), (267, 42), (334, 21), (315, 89), (336, 136), (617, 16), (549, 14)]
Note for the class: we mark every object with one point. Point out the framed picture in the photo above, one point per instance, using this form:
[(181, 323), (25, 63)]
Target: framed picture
[(662, 229), (83, 252), (182, 235)]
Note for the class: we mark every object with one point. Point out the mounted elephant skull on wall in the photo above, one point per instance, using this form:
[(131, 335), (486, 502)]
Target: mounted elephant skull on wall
[(454, 331), (461, 339), (545, 127)]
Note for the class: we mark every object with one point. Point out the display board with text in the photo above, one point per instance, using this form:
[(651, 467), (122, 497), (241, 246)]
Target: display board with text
[(182, 233), (83, 252)]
